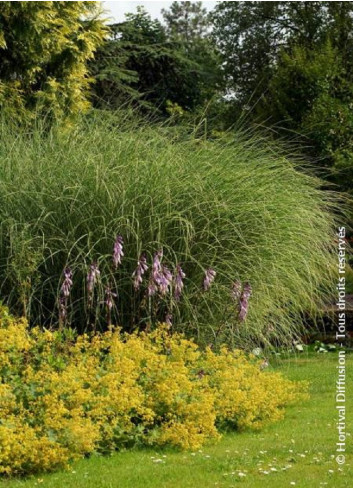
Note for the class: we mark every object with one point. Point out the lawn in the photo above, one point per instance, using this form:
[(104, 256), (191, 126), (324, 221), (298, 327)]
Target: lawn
[(296, 452)]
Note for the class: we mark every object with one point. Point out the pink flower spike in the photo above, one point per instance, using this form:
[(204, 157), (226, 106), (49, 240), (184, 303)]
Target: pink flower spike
[(139, 272), (210, 275), (118, 251), (179, 284)]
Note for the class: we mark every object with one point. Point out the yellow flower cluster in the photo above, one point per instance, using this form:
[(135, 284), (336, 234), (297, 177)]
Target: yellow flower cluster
[(64, 396)]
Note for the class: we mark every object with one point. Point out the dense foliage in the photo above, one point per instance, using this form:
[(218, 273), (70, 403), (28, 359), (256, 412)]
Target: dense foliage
[(290, 63), (238, 207), (154, 67), (252, 35), (44, 50), (63, 397), (309, 93)]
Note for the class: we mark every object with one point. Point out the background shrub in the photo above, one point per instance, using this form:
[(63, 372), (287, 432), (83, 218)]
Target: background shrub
[(63, 397), (241, 208), (45, 49), (310, 94)]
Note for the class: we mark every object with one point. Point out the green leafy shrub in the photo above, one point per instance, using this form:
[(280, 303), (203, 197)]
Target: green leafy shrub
[(64, 396), (241, 208)]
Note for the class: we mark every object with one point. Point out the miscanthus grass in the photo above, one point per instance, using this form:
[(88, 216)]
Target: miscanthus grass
[(240, 209)]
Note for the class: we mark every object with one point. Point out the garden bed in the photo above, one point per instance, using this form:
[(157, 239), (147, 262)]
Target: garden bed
[(297, 452)]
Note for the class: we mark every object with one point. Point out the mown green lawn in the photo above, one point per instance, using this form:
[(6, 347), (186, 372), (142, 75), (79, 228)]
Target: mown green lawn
[(296, 452)]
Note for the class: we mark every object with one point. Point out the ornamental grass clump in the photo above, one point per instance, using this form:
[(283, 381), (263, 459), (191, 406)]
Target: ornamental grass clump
[(64, 396), (237, 207)]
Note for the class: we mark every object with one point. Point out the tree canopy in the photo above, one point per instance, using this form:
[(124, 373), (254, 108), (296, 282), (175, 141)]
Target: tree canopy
[(251, 36), (291, 63), (153, 64), (187, 21)]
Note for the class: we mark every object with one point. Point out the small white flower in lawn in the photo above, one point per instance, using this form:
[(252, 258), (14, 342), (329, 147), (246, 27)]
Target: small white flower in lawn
[(158, 460), (293, 483), (241, 474), (257, 351), (331, 471)]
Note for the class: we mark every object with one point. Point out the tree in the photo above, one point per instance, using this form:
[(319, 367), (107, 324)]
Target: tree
[(310, 93), (186, 21), (252, 35), (114, 82), (44, 50), (189, 24), (294, 60), (141, 63)]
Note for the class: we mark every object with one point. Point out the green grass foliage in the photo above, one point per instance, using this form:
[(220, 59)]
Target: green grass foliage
[(239, 206)]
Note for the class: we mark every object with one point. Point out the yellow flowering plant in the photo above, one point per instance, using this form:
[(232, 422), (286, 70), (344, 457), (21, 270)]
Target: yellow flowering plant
[(64, 396)]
